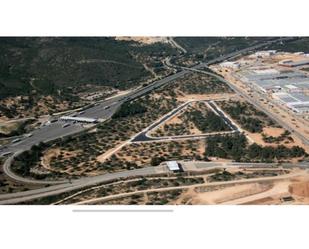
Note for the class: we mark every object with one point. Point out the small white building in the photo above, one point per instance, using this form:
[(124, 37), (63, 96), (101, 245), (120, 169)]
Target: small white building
[(173, 166)]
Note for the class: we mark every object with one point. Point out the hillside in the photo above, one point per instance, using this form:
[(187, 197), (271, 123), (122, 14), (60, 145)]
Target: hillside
[(61, 73), (49, 64)]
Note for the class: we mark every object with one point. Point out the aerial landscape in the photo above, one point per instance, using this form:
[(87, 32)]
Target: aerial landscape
[(154, 120)]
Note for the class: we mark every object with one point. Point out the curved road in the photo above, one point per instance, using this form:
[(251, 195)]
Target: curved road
[(103, 110), (144, 136), (14, 198)]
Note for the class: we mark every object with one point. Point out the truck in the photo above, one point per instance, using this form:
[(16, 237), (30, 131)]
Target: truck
[(66, 125)]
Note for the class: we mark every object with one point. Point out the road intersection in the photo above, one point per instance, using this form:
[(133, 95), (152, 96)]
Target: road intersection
[(103, 110)]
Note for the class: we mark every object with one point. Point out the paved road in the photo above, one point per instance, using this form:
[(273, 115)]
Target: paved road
[(18, 197), (199, 165), (99, 111), (105, 109), (176, 45), (303, 138), (14, 198), (144, 136)]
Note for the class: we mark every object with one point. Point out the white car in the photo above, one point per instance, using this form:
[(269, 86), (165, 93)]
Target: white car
[(16, 140)]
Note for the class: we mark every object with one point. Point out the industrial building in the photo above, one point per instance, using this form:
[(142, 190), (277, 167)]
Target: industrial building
[(78, 119), (275, 80), (229, 64), (265, 53), (298, 102), (291, 63), (287, 86)]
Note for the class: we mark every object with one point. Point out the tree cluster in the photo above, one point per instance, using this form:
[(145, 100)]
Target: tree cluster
[(130, 109)]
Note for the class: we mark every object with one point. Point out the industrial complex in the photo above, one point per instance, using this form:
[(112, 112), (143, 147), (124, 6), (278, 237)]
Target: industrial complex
[(283, 76)]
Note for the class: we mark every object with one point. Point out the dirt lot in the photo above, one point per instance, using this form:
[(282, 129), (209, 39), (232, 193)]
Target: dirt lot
[(293, 190), (142, 39), (218, 96), (275, 132)]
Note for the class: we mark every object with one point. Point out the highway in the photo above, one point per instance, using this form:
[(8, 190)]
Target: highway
[(103, 110), (15, 198), (18, 197), (99, 111)]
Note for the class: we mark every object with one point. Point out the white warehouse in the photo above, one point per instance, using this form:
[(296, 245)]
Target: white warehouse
[(230, 64), (265, 53)]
